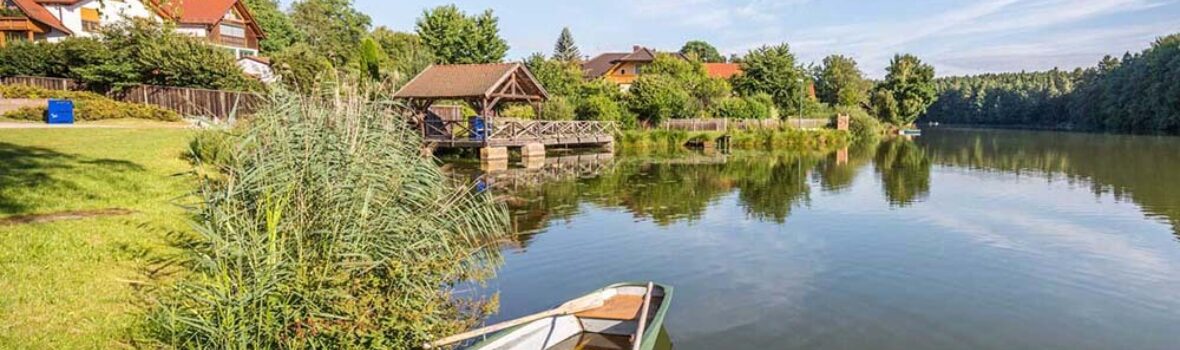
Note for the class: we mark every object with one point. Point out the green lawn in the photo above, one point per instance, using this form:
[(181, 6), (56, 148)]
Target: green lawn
[(68, 284)]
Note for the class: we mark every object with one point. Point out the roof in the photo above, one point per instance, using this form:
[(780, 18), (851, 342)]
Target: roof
[(38, 13), (641, 54), (460, 81), (600, 64), (723, 70), (206, 12)]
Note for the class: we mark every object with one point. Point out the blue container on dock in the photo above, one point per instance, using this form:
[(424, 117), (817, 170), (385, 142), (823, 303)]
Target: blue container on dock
[(60, 112), (478, 128)]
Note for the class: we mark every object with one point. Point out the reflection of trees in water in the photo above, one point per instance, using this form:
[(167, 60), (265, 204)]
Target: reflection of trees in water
[(905, 171), (769, 187), (1140, 168), (838, 170)]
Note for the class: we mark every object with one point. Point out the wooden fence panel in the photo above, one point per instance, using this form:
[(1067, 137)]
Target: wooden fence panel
[(41, 82), (194, 102)]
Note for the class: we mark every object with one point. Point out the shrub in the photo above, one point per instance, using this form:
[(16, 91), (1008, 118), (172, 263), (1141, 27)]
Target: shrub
[(302, 68), (600, 108), (655, 98), (87, 105), (519, 111), (328, 229), (557, 108), (741, 108), (860, 124), (27, 58)]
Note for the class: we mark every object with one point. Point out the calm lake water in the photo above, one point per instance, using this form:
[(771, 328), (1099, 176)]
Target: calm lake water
[(979, 239)]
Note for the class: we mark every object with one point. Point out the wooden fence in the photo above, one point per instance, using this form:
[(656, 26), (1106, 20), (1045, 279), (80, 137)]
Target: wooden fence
[(741, 124), (194, 102), (216, 104), (42, 82)]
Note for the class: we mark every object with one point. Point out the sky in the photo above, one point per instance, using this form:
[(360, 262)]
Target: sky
[(957, 36)]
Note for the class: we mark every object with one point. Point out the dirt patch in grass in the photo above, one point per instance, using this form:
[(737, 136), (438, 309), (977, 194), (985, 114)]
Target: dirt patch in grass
[(60, 216)]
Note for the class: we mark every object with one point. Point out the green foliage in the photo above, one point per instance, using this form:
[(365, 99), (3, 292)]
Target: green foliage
[(88, 106), (841, 83), (906, 93), (332, 28), (1034, 99), (519, 111), (405, 51), (754, 107), (566, 50), (602, 108), (1139, 94), (560, 78), (280, 32), (372, 58), (772, 70), (132, 52), (702, 51), (657, 97), (302, 68), (557, 108), (861, 125), (327, 229), (456, 38), (671, 78)]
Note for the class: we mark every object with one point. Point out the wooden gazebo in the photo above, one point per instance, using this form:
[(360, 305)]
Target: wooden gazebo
[(483, 86)]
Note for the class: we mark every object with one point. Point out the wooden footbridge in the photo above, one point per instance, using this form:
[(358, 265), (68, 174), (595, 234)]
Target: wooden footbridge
[(484, 87)]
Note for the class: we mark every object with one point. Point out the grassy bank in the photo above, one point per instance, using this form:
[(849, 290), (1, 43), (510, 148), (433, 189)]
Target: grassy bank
[(67, 282), (665, 140)]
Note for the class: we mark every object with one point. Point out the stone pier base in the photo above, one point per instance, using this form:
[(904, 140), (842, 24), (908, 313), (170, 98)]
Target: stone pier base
[(493, 153), (533, 150)]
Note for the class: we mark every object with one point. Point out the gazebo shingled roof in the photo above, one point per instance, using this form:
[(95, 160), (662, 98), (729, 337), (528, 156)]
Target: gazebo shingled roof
[(482, 85)]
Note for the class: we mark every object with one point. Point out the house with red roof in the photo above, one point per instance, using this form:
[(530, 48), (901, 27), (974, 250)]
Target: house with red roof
[(623, 68), (224, 23)]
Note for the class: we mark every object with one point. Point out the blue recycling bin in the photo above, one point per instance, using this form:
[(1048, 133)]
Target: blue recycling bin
[(60, 112), (478, 128)]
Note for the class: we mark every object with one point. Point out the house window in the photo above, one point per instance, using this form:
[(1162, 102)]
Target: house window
[(233, 34), (91, 20)]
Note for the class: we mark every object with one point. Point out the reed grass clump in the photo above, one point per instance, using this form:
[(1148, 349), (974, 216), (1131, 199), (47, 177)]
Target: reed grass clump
[(326, 229)]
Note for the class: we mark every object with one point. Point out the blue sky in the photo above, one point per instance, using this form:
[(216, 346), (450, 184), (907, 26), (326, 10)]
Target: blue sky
[(957, 36)]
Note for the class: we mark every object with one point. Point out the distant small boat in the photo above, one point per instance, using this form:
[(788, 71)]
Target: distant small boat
[(910, 132), (624, 316)]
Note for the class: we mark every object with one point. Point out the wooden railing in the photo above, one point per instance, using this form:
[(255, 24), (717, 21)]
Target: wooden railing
[(517, 130)]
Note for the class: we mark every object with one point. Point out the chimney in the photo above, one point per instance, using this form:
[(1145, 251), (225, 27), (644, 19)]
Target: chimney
[(636, 48)]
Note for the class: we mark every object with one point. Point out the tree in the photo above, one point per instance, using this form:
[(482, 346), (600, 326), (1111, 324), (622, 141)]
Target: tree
[(148, 52), (280, 32), (372, 58), (456, 38), (331, 27), (560, 78), (909, 83), (840, 82), (565, 50), (405, 51), (302, 68), (702, 51), (772, 70), (656, 97)]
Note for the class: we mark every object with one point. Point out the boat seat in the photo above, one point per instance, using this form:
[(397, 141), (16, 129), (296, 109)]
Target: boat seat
[(619, 308)]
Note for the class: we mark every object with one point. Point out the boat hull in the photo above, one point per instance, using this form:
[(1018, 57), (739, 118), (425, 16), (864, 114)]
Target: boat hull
[(585, 330)]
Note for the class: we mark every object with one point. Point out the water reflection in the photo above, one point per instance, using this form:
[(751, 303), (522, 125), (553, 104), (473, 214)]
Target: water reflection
[(1038, 238)]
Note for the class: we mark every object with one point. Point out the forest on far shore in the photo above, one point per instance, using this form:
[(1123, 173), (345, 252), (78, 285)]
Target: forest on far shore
[(1139, 93)]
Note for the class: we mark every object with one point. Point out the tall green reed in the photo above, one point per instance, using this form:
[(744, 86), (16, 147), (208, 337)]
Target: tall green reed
[(326, 228)]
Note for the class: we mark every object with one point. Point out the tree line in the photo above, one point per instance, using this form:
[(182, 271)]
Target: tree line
[(1139, 93)]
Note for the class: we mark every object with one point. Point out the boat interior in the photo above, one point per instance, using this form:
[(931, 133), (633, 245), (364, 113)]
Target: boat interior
[(611, 326)]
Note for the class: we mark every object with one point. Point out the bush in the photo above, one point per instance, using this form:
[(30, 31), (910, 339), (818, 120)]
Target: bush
[(741, 108), (309, 242), (557, 108), (655, 98), (88, 106), (599, 108), (860, 124), (519, 111)]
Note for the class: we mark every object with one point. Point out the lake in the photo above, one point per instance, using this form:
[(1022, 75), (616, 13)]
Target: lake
[(980, 239)]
